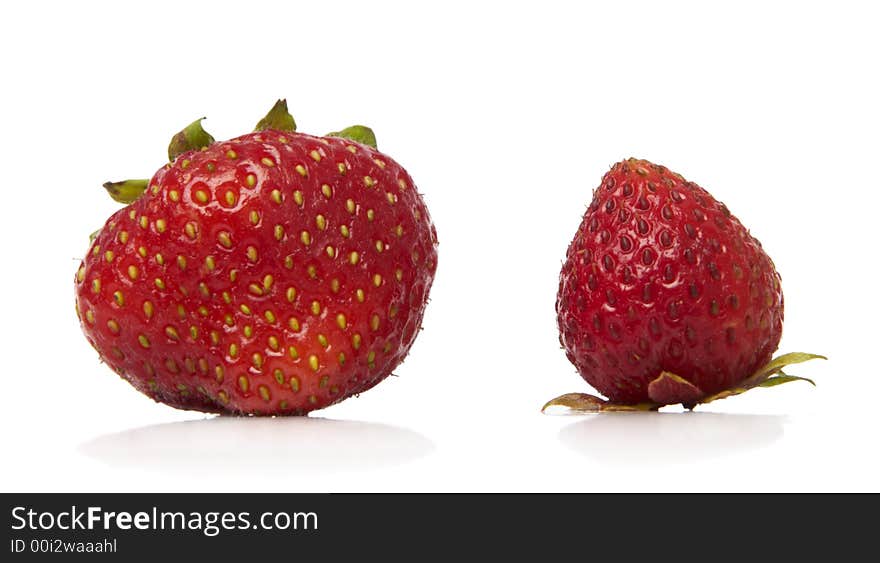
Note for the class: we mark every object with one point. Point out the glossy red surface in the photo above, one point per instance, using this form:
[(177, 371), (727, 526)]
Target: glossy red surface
[(231, 285), (662, 277)]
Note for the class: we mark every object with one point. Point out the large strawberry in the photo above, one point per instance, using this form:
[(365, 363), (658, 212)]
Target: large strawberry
[(274, 273), (665, 298)]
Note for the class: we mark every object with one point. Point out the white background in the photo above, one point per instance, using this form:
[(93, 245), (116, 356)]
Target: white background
[(507, 115)]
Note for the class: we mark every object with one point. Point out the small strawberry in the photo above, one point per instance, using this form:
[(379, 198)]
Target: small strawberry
[(665, 298), (274, 273)]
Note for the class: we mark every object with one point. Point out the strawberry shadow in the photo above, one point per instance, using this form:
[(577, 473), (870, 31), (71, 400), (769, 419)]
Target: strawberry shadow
[(654, 438), (279, 447)]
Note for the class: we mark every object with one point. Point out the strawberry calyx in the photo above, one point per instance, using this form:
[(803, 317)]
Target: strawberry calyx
[(770, 375), (582, 403), (669, 388), (357, 133), (126, 191), (191, 138), (278, 119), (194, 137)]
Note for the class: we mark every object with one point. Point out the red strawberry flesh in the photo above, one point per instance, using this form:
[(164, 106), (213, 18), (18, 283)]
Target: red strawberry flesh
[(661, 277), (274, 273)]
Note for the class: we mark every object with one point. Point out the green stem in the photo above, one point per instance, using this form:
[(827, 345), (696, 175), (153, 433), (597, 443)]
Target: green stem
[(278, 119), (126, 191), (358, 133), (191, 138)]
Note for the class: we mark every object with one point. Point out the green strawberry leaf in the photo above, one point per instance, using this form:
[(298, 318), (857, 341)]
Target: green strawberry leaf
[(776, 364), (581, 403), (780, 379), (358, 133), (126, 191), (278, 119), (769, 375), (190, 138)]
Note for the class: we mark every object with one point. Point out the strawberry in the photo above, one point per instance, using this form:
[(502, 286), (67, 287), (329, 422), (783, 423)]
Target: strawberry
[(273, 273), (665, 297)]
